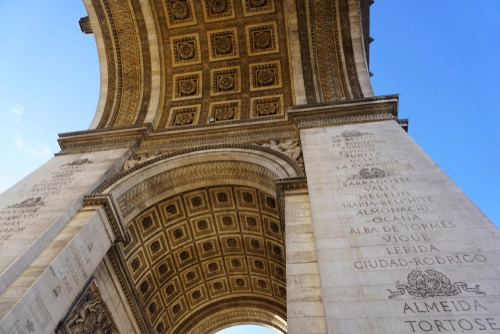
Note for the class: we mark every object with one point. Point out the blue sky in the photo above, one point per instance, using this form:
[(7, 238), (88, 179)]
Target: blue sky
[(442, 57)]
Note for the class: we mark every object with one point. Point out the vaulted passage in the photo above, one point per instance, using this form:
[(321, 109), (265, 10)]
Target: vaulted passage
[(211, 253)]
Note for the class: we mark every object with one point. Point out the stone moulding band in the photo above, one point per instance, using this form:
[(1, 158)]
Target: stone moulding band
[(283, 185), (244, 300), (145, 139), (228, 318), (212, 170), (106, 200), (167, 156)]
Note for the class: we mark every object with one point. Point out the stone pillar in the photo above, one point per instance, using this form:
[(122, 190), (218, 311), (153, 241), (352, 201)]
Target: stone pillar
[(305, 309), (50, 246), (400, 248)]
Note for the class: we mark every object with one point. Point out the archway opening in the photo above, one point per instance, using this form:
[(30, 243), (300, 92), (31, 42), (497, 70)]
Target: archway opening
[(247, 329), (209, 258)]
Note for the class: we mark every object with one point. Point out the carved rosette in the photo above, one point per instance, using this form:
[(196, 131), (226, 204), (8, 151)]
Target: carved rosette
[(89, 315)]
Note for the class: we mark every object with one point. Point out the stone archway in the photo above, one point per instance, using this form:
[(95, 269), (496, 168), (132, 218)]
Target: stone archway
[(206, 247)]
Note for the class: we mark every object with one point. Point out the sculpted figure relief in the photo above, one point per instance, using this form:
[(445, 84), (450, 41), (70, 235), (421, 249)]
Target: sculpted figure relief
[(289, 147), (137, 160), (89, 316)]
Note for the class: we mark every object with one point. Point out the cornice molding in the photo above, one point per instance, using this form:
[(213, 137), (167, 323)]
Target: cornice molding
[(106, 200), (284, 185), (345, 112), (142, 138)]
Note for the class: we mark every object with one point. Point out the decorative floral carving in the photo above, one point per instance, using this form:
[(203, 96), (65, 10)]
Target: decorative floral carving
[(29, 203), (268, 108), (180, 10), (188, 87), (225, 82), (352, 133), (432, 283), (265, 77), (184, 118), (218, 6), (186, 50), (211, 324), (225, 113), (262, 39), (374, 173), (258, 3), (223, 44), (90, 315)]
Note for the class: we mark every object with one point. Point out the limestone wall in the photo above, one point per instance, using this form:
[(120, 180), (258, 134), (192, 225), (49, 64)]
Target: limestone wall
[(400, 248)]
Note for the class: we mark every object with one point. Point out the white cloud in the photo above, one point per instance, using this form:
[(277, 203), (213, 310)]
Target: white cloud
[(17, 112), (40, 151), (19, 143)]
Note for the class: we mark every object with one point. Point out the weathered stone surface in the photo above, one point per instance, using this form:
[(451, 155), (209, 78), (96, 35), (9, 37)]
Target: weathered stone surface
[(395, 236), (38, 207)]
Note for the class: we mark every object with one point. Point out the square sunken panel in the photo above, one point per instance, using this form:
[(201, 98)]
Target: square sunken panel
[(223, 44), (172, 290), (262, 38), (156, 247), (185, 50), (218, 287), (208, 248), (222, 198), (187, 86), (257, 7), (148, 223), (203, 226), (197, 202), (225, 81), (164, 269), (266, 106), (236, 264), (197, 295), (246, 198), (180, 13), (261, 285), (137, 264), (265, 75), (225, 111), (179, 235), (218, 10), (186, 115), (227, 222), (172, 209), (231, 244)]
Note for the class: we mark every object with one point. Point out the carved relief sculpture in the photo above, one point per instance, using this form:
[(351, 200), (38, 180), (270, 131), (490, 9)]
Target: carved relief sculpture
[(90, 315)]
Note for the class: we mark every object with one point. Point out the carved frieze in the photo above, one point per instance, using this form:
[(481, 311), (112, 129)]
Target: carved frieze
[(171, 179), (89, 315)]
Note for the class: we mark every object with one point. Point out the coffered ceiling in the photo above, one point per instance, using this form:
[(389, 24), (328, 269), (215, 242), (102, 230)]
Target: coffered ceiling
[(182, 63), (202, 249)]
